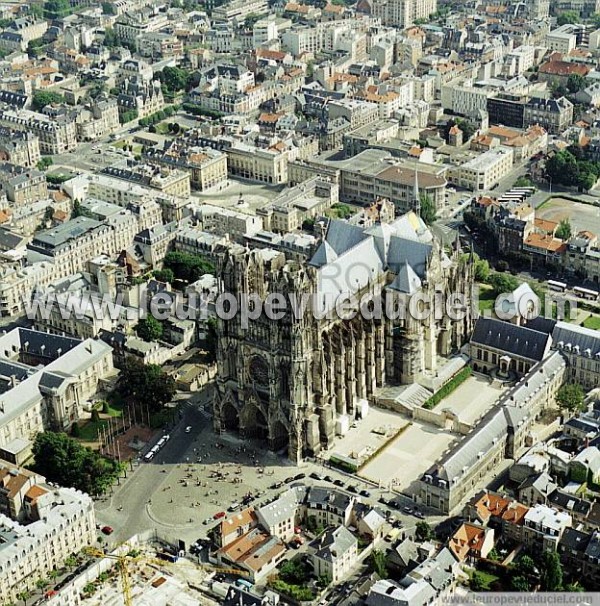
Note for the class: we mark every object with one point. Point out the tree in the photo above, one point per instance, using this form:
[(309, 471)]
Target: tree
[(175, 78), (146, 384), (520, 583), (476, 583), (63, 460), (574, 588), (164, 275), (128, 116), (95, 416), (56, 9), (24, 595), (423, 531), (75, 430), (149, 329), (108, 8), (503, 283), (525, 566), (379, 563), (44, 163), (568, 17), (523, 181), (482, 270), (42, 98), (562, 168), (571, 397), (575, 83), (188, 267), (551, 573), (564, 230), (428, 209)]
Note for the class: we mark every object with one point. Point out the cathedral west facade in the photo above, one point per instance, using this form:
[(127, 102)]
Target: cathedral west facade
[(296, 382)]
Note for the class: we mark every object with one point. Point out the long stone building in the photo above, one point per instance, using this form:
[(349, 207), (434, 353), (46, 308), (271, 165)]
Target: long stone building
[(298, 381)]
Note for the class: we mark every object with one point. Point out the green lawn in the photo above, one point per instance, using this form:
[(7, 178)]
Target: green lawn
[(88, 432), (592, 322), (487, 578), (487, 298)]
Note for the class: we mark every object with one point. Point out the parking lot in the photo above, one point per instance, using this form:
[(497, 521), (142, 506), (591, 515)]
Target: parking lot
[(581, 216)]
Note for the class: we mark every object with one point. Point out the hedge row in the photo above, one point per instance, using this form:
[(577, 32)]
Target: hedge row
[(447, 389)]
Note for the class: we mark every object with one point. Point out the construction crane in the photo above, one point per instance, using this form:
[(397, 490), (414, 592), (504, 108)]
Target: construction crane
[(124, 560)]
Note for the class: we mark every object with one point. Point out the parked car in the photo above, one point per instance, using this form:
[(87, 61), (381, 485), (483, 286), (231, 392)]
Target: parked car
[(338, 482), (365, 493), (219, 515), (328, 479), (315, 476), (300, 476), (352, 489), (276, 485), (107, 529)]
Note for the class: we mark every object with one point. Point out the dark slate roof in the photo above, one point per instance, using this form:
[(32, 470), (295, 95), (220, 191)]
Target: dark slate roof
[(569, 502), (541, 324), (575, 540), (565, 334), (510, 338)]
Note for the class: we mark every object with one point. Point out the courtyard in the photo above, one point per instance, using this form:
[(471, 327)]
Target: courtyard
[(397, 464)]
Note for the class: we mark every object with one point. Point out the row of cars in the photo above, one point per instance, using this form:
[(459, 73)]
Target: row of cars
[(316, 476)]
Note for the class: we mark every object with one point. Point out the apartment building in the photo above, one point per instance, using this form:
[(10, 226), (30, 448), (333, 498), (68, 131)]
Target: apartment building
[(554, 115), (56, 134), (562, 39), (485, 171), (465, 100), (130, 25), (21, 185), (334, 553), (543, 528), (169, 181), (17, 285), (257, 164), (402, 13), (71, 244), (226, 221), (238, 10), (288, 211), (46, 381), (98, 119), (207, 167), (59, 522), (19, 147)]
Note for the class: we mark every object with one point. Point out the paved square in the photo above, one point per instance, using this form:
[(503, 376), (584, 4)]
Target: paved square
[(370, 433), (472, 399), (408, 456)]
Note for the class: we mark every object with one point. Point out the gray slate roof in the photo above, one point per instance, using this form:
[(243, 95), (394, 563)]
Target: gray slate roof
[(510, 338)]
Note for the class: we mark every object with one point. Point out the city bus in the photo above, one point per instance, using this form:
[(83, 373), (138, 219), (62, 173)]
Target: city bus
[(526, 191), (558, 286), (586, 293)]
